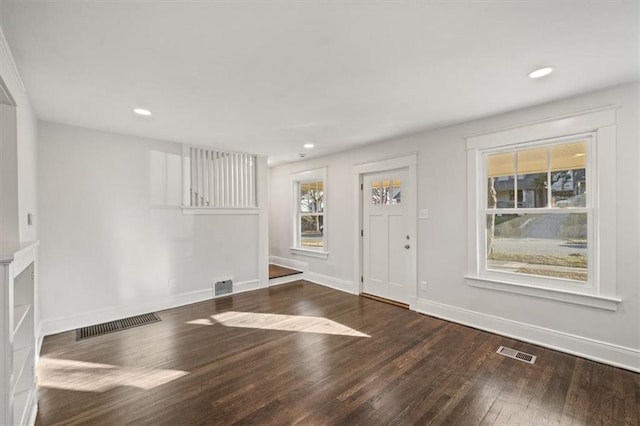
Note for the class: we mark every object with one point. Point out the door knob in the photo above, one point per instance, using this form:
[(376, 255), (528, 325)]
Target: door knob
[(407, 246)]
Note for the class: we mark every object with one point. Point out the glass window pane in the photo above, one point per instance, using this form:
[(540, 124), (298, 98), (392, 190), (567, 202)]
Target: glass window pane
[(386, 195), (311, 197), (386, 192), (500, 173), (568, 175), (501, 165), (319, 196), (305, 205), (548, 245), (532, 178), (376, 192), (311, 231), (396, 191)]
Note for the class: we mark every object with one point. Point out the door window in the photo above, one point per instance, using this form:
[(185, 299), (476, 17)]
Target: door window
[(386, 192)]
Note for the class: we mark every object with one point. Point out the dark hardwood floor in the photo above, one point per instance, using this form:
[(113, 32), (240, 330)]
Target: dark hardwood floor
[(277, 271), (303, 353)]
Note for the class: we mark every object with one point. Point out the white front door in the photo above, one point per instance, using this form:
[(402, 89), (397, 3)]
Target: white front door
[(386, 239)]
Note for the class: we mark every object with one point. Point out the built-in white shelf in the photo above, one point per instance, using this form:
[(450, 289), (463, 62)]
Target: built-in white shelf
[(21, 403), (18, 402), (20, 312), (19, 362)]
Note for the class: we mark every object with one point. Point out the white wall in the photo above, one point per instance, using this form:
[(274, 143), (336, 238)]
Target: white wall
[(612, 337), (25, 153), (113, 235), (9, 218), (27, 171)]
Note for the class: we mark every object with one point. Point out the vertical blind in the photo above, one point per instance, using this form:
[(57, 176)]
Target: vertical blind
[(221, 179)]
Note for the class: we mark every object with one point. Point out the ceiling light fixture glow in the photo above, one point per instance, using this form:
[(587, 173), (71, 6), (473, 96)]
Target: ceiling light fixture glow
[(541, 72), (308, 145), (142, 111)]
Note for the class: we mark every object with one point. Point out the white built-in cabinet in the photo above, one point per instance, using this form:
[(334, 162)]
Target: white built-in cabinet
[(18, 267)]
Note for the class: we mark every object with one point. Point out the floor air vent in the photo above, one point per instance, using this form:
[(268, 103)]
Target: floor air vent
[(223, 287), (111, 326), (512, 353)]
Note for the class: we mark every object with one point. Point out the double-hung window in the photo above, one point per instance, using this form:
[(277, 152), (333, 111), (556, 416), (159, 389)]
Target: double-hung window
[(309, 218), (538, 210), (542, 209)]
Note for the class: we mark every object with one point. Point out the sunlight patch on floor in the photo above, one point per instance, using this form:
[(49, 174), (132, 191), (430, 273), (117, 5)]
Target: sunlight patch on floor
[(201, 321), (91, 377), (299, 323)]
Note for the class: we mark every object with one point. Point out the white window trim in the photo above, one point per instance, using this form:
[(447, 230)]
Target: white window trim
[(602, 292), (296, 179)]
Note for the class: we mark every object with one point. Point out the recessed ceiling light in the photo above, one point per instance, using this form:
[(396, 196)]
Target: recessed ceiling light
[(142, 111), (541, 72), (308, 145)]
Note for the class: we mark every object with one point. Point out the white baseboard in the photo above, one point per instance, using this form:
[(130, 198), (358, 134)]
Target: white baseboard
[(285, 280), (325, 280), (289, 263), (334, 283), (59, 325), (243, 286), (607, 353)]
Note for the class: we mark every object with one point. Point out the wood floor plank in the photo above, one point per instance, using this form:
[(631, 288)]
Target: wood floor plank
[(276, 356)]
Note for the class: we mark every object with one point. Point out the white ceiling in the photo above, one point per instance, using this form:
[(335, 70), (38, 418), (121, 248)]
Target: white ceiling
[(267, 77)]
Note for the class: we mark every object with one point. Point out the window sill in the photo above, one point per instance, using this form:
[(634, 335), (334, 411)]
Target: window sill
[(592, 300), (218, 210), (311, 253)]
